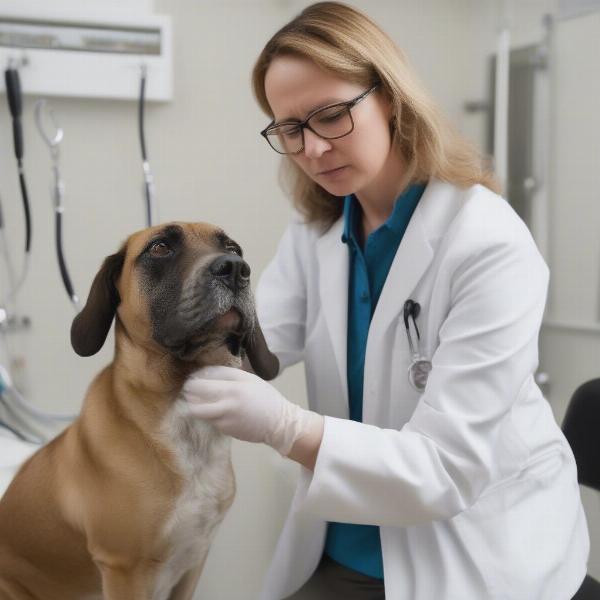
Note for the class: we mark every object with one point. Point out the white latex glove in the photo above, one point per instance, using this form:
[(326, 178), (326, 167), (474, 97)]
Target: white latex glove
[(248, 408)]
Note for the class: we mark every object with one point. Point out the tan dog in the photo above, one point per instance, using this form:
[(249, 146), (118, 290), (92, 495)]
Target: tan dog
[(123, 505)]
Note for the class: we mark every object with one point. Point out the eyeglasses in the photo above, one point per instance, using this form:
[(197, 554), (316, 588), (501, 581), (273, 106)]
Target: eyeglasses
[(330, 123)]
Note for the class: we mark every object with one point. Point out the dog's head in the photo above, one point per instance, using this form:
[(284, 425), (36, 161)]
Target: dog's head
[(179, 288)]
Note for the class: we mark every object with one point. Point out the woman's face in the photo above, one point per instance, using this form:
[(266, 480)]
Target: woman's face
[(356, 163)]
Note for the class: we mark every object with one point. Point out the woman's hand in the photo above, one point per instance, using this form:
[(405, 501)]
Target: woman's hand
[(244, 406)]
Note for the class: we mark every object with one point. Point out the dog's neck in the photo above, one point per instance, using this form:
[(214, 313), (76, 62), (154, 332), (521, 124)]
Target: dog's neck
[(149, 378), (147, 372), (144, 402)]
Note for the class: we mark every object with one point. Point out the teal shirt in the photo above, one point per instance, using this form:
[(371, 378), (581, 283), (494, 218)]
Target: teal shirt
[(358, 547)]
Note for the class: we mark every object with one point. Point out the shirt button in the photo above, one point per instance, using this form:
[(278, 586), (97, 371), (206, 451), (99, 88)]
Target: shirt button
[(364, 295)]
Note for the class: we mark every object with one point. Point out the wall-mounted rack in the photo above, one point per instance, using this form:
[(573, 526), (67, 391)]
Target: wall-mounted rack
[(84, 55)]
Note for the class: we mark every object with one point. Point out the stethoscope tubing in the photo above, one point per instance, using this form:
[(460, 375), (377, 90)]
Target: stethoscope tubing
[(149, 191), (58, 195), (15, 105), (62, 265)]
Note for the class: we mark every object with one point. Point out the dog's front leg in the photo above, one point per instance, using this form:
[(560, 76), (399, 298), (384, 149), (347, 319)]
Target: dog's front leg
[(131, 583)]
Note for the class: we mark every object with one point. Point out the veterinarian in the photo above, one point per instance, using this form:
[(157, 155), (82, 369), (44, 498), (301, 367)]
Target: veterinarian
[(433, 466)]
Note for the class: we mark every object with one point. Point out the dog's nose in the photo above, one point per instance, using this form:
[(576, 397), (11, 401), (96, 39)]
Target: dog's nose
[(232, 270)]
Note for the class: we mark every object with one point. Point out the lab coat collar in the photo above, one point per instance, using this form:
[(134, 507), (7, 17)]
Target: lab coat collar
[(410, 263), (334, 262), (404, 206)]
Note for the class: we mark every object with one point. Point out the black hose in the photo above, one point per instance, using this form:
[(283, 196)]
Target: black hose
[(142, 134), (26, 209), (15, 104), (141, 106), (64, 273)]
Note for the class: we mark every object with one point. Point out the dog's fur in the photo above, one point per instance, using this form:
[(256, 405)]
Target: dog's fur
[(123, 505)]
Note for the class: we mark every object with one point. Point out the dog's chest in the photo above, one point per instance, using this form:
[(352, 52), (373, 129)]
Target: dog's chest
[(203, 459)]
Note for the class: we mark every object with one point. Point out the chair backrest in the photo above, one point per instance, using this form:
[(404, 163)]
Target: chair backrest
[(581, 427)]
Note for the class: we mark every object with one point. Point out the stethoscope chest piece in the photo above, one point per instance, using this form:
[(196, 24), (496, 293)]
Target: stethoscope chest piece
[(418, 372), (419, 368)]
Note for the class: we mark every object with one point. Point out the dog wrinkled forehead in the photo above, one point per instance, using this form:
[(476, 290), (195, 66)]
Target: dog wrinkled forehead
[(201, 237), (160, 260)]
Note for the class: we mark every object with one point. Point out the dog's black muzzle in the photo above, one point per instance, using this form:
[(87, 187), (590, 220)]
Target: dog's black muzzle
[(213, 306)]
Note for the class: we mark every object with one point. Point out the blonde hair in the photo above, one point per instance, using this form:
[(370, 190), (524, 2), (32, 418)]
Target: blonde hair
[(342, 40)]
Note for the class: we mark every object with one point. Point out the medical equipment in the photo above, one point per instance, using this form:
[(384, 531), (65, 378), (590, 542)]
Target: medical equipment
[(149, 191), (14, 421), (10, 320), (5, 251), (6, 384), (419, 368), (15, 104), (22, 418), (53, 142)]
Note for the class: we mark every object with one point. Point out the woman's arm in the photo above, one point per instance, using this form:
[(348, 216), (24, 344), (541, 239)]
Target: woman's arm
[(281, 296)]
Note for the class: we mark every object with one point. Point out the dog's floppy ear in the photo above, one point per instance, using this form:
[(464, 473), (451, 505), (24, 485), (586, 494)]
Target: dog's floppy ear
[(264, 363), (91, 326)]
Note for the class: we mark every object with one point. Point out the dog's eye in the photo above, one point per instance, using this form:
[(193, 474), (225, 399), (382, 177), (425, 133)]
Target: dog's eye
[(159, 249), (233, 248)]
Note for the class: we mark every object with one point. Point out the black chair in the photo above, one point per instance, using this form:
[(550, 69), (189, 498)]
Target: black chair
[(581, 427)]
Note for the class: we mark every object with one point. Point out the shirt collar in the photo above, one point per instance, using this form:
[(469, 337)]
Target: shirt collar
[(403, 208)]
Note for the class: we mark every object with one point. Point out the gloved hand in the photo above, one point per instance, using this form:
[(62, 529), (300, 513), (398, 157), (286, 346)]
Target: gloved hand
[(248, 408)]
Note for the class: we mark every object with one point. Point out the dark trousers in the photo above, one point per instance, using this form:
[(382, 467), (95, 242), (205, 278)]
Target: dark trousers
[(331, 581), (589, 590)]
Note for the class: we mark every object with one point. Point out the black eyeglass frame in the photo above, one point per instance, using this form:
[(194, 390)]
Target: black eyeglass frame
[(349, 104)]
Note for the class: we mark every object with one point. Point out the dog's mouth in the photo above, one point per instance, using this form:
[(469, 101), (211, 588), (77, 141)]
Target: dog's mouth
[(233, 323), (226, 330), (230, 327)]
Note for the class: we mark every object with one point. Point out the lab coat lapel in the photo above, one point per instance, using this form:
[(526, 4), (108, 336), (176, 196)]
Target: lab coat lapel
[(410, 263), (333, 260), (412, 259)]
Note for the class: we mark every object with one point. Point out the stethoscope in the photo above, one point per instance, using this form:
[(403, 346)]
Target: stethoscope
[(149, 188), (419, 368), (15, 105), (53, 138)]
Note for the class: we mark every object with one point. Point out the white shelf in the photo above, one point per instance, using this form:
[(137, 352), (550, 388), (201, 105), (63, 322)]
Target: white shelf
[(92, 74)]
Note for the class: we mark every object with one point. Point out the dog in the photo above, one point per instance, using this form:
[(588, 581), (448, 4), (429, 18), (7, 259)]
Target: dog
[(123, 505)]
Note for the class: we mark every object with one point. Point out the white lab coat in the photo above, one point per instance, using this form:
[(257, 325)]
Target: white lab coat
[(472, 483)]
